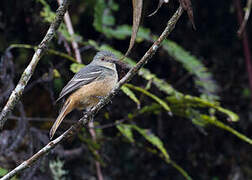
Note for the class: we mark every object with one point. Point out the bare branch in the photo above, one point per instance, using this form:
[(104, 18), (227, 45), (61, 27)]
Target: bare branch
[(246, 17), (97, 163), (70, 29), (86, 118), (18, 91)]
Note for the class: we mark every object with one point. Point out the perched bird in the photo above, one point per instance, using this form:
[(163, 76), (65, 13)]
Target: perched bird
[(88, 86)]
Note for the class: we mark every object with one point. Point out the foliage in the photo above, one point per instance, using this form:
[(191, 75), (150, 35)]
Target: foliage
[(75, 67), (154, 97), (203, 78), (126, 130), (48, 16), (202, 111), (57, 170), (103, 18), (131, 95)]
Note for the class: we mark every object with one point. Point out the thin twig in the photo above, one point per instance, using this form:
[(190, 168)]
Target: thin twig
[(18, 91), (66, 45), (70, 29), (85, 119), (245, 19), (246, 44), (97, 163)]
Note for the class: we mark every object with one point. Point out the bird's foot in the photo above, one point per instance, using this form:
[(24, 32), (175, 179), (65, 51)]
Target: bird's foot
[(98, 97), (87, 117), (84, 114)]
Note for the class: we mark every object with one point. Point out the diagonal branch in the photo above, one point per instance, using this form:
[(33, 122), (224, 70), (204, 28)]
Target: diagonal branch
[(85, 119), (18, 91)]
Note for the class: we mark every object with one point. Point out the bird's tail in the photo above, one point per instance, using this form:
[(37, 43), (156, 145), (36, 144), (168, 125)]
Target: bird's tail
[(67, 108)]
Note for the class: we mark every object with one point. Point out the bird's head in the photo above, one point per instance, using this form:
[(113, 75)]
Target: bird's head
[(104, 58)]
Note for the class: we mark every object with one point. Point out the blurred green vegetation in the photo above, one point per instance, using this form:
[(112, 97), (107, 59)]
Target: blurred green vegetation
[(156, 111)]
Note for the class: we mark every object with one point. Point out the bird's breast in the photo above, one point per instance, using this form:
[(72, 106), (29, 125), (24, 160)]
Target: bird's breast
[(89, 95)]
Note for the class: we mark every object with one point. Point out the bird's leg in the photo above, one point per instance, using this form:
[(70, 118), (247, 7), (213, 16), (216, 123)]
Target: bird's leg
[(84, 113), (84, 117), (87, 117)]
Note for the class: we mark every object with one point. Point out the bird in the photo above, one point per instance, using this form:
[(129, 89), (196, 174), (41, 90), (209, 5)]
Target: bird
[(88, 86)]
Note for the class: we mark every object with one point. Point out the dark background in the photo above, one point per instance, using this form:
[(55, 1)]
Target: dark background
[(217, 155)]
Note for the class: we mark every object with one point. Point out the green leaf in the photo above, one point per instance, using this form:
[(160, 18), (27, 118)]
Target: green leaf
[(56, 73), (109, 20), (93, 43), (3, 171), (196, 117), (147, 93), (103, 18), (131, 94), (46, 13), (98, 14), (180, 169), (154, 140), (214, 121), (75, 67), (153, 108), (126, 131), (114, 6), (196, 101), (120, 32), (232, 116)]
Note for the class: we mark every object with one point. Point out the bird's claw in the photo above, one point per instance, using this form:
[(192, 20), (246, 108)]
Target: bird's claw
[(98, 97)]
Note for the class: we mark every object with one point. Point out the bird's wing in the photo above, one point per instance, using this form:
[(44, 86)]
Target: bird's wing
[(86, 75)]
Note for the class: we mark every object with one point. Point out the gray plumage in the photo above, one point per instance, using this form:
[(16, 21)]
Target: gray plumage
[(95, 80), (102, 54), (88, 74)]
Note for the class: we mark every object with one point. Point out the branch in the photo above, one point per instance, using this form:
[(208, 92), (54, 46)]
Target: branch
[(35, 157), (18, 91), (245, 42), (85, 119), (97, 163), (70, 29), (245, 19)]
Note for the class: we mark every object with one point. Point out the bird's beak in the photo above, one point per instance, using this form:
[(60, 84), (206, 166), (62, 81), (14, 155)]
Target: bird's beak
[(112, 60)]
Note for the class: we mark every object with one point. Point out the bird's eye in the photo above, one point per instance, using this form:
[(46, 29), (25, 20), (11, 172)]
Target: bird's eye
[(103, 59)]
